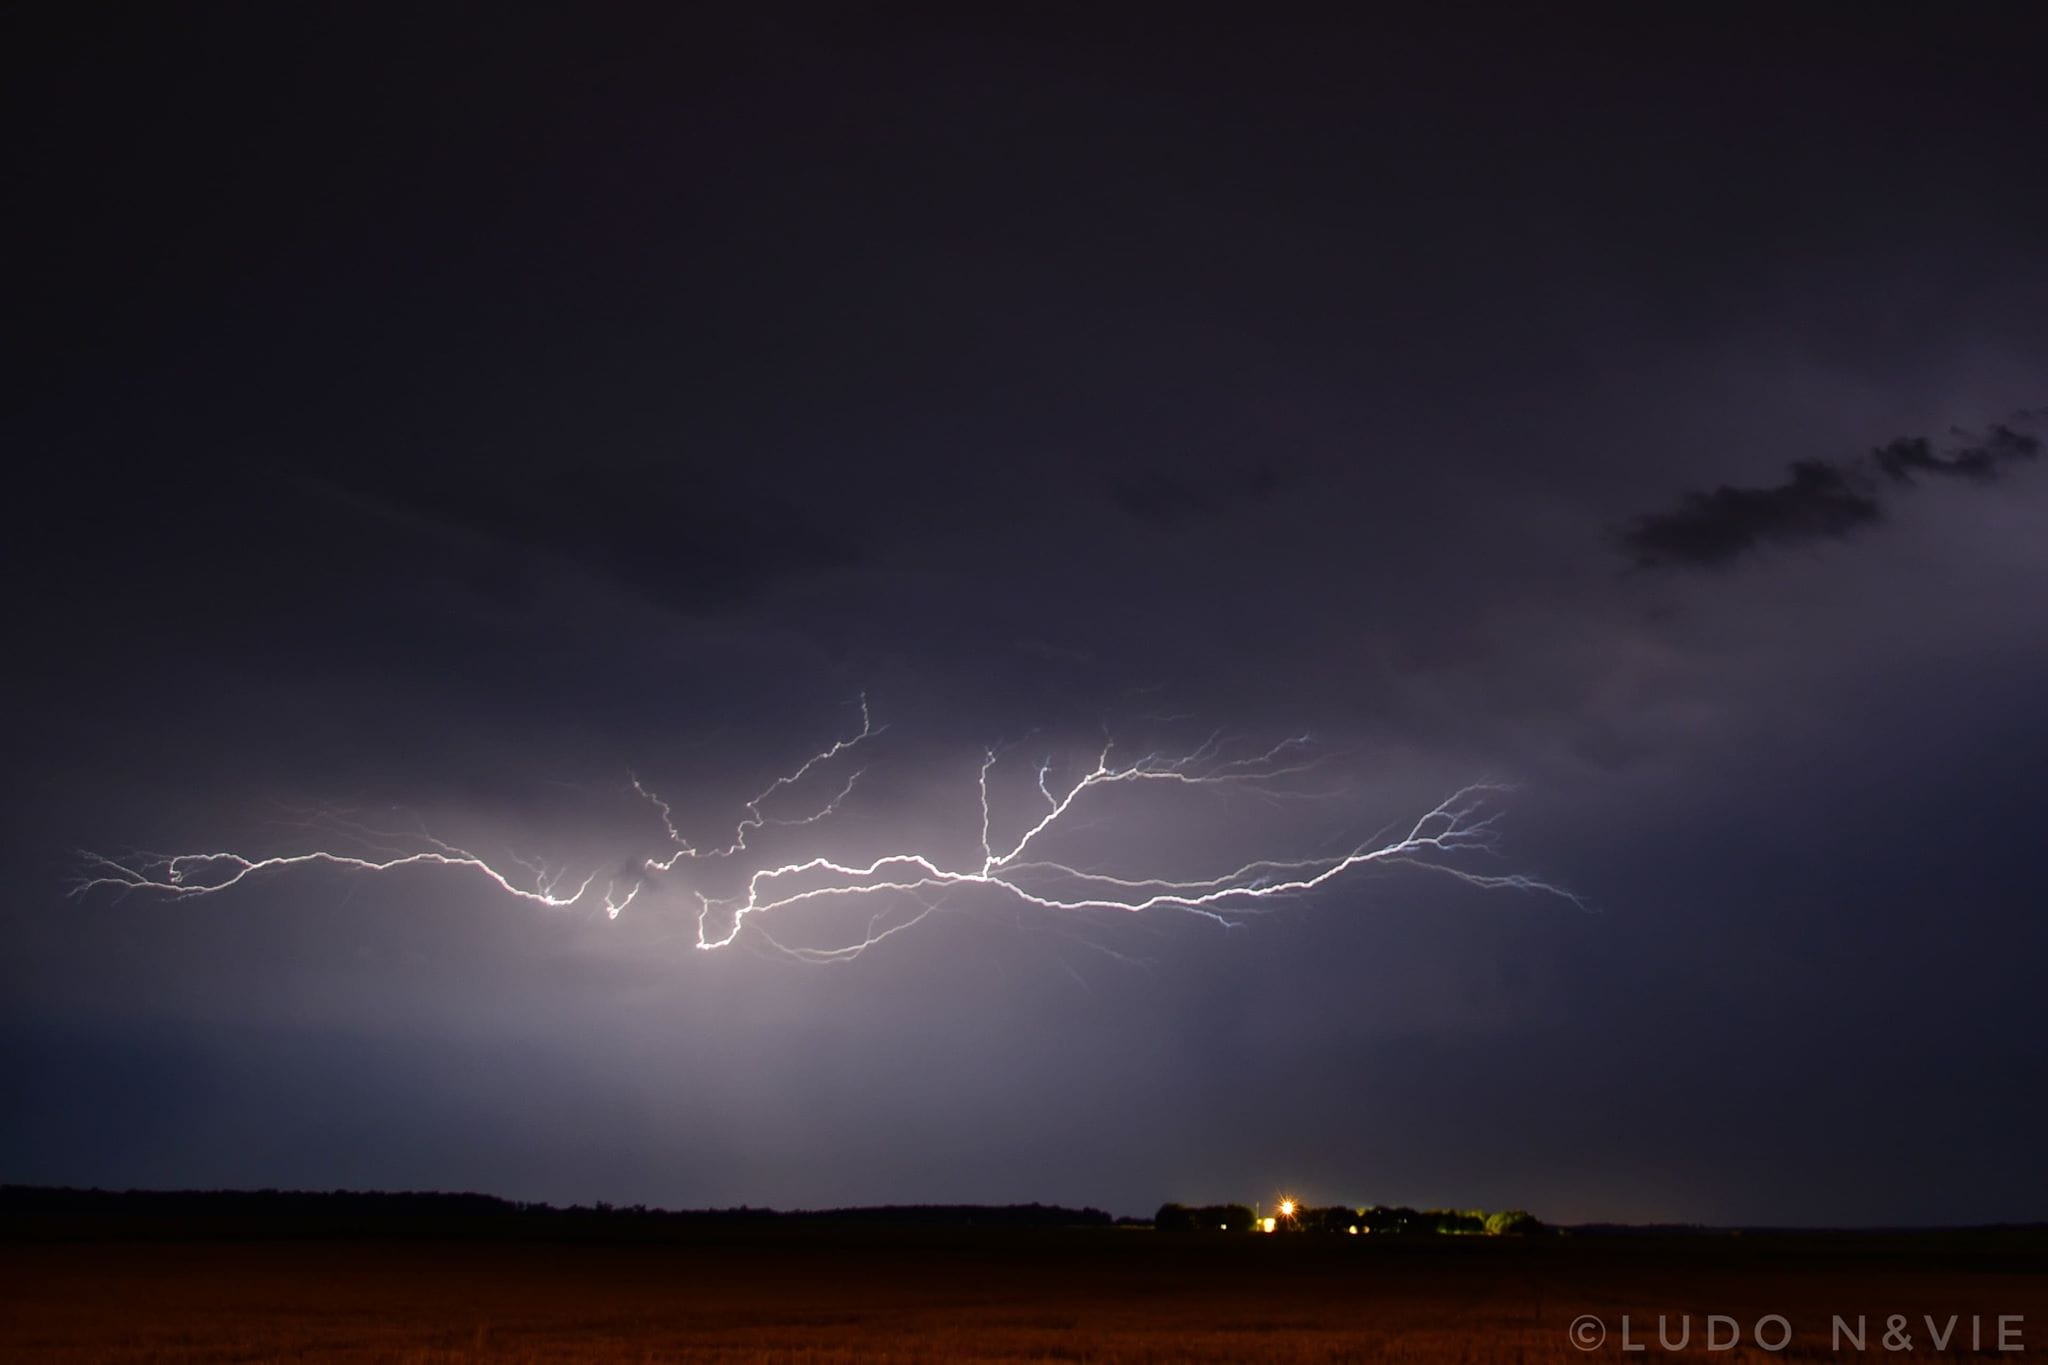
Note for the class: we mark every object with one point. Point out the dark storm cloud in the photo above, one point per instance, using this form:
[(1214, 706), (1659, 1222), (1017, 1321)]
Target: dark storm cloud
[(463, 412), (1173, 498), (690, 538), (1819, 499)]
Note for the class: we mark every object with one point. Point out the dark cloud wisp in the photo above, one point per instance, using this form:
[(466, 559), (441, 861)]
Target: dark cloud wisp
[(1981, 458), (1818, 500)]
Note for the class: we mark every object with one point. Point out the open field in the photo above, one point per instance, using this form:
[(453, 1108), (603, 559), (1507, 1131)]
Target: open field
[(850, 1293)]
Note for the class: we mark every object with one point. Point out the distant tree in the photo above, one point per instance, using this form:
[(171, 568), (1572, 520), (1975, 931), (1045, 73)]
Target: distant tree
[(1336, 1219), (1450, 1221), (1203, 1218), (1395, 1221), (1231, 1217), (1512, 1223)]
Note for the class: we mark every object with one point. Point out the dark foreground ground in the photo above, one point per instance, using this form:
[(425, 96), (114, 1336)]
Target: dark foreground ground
[(822, 1294)]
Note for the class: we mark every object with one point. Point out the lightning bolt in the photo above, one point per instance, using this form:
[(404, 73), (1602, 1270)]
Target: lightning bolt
[(907, 886)]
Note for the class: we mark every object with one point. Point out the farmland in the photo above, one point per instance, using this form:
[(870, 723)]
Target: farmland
[(851, 1292)]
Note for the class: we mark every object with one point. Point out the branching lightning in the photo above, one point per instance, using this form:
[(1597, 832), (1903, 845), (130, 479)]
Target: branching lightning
[(905, 886)]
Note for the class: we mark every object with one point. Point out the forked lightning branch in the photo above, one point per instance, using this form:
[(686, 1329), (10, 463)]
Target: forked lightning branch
[(874, 898)]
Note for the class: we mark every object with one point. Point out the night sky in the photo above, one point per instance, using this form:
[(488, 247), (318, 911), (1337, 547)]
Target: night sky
[(446, 414)]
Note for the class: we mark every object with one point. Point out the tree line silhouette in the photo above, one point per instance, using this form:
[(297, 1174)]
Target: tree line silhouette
[(1380, 1220), (37, 1212)]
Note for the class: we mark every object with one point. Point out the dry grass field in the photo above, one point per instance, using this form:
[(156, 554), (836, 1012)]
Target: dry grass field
[(1110, 1295)]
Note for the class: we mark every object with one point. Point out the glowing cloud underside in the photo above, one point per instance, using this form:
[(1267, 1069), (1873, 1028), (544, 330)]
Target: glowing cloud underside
[(901, 888)]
